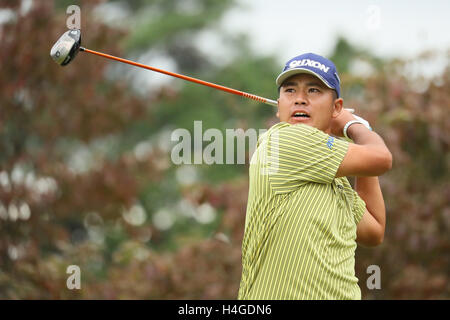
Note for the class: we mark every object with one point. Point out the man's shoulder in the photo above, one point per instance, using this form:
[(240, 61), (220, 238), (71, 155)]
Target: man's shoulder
[(277, 127), (284, 131), (295, 128)]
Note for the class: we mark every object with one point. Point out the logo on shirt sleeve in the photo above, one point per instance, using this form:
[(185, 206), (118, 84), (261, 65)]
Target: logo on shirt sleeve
[(330, 142)]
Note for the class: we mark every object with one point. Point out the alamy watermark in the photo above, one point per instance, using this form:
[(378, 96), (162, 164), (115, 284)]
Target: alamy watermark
[(228, 149), (374, 281), (373, 21), (74, 20), (74, 280)]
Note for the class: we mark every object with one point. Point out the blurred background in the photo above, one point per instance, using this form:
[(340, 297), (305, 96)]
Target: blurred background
[(86, 176)]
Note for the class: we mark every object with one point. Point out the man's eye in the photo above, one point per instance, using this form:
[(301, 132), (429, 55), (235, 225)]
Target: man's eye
[(313, 90), (289, 90)]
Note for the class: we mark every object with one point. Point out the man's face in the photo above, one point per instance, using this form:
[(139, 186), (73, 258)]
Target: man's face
[(306, 99)]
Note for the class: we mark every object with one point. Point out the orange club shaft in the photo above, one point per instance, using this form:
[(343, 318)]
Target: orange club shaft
[(180, 76)]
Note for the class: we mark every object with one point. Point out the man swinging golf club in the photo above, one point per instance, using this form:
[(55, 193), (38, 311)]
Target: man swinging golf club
[(303, 219)]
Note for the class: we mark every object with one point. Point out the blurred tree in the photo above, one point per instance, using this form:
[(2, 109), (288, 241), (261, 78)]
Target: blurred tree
[(60, 177), (86, 176), (409, 112), (85, 179), (345, 54)]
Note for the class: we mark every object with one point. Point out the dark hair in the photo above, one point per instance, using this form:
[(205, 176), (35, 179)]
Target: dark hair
[(335, 95)]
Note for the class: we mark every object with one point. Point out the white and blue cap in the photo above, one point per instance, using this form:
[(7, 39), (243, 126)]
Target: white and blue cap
[(313, 64)]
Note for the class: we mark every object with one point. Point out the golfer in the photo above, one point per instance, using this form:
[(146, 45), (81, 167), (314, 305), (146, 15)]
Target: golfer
[(304, 219)]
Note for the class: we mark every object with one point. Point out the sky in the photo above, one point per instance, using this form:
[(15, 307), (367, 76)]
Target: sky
[(397, 28), (286, 28)]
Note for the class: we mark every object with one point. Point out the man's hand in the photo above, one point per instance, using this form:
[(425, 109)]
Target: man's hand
[(368, 156), (338, 123)]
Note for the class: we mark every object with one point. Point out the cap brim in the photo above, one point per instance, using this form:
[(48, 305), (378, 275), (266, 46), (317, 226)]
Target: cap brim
[(289, 73)]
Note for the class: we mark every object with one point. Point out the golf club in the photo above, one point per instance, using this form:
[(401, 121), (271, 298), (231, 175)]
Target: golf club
[(69, 44)]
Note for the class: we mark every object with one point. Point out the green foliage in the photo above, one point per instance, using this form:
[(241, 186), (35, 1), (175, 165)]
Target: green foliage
[(345, 54), (163, 22)]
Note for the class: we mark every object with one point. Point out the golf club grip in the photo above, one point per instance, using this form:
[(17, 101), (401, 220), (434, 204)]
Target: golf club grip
[(180, 76)]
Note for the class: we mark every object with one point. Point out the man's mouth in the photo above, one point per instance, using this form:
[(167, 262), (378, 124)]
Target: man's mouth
[(300, 115)]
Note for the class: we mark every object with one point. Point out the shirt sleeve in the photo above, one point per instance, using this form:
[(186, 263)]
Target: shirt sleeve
[(359, 207), (298, 154)]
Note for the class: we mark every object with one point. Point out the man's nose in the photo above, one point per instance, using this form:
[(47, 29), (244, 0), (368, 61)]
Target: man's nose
[(300, 99)]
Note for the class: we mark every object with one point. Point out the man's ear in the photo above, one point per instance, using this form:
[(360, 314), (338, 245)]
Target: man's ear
[(338, 107)]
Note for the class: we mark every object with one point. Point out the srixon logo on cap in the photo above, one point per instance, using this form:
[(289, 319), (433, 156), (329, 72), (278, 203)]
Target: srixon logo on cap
[(308, 63)]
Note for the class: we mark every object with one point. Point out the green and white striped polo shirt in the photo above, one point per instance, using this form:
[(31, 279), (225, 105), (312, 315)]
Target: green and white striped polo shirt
[(300, 227)]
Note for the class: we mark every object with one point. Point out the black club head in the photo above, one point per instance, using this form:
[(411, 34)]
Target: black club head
[(67, 47)]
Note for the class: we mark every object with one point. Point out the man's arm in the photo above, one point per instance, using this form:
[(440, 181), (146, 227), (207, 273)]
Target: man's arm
[(366, 159), (368, 156), (370, 229)]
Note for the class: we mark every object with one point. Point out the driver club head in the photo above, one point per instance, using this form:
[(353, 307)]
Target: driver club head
[(67, 47)]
